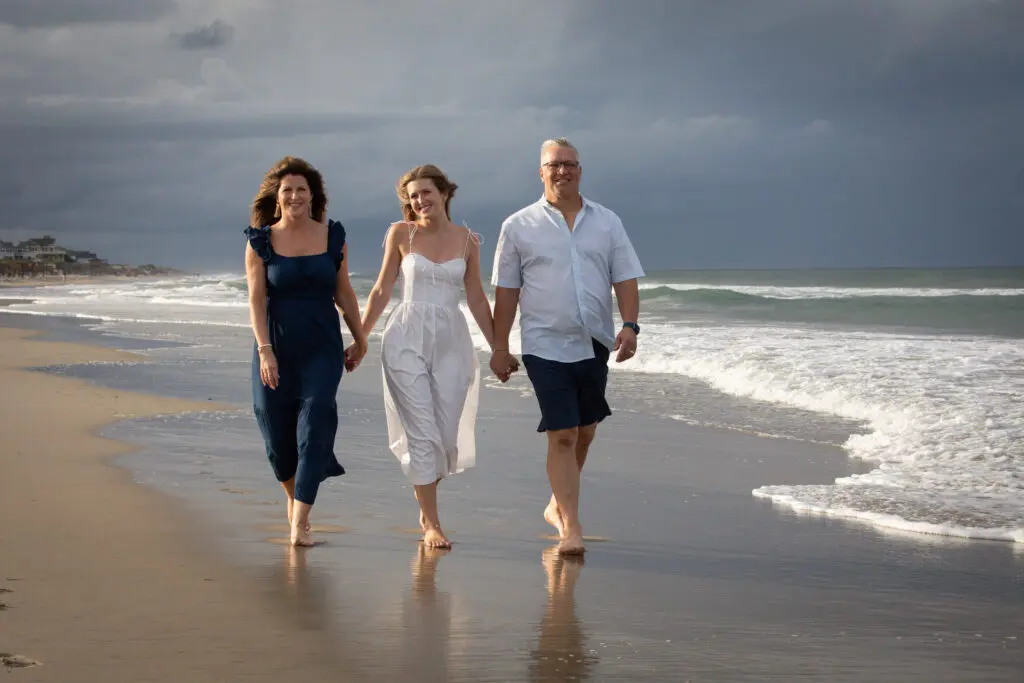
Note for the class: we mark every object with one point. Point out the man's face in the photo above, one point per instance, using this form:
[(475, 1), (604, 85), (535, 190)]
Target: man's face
[(560, 170)]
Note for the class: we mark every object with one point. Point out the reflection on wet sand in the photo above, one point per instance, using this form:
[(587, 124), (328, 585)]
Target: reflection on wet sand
[(423, 639), (426, 622), (560, 654), (312, 602), (306, 591)]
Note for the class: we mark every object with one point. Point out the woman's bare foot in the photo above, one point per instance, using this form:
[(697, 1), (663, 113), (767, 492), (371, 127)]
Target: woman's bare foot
[(572, 542), (553, 516), (435, 538), (302, 537), (291, 504)]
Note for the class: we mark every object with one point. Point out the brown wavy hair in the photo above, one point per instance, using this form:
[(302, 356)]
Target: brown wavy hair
[(265, 210), (425, 172)]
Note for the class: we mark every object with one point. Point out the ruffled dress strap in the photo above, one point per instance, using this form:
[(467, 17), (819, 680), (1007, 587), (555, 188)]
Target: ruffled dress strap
[(259, 240), (336, 242)]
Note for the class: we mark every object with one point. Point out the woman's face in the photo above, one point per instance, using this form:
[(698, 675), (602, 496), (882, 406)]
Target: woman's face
[(294, 196), (427, 201)]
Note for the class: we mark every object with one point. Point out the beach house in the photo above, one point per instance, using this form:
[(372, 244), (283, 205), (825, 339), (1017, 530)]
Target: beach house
[(43, 248), (7, 250)]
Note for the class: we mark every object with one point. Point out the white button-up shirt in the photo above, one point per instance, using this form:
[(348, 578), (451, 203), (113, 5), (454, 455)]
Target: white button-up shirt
[(565, 277)]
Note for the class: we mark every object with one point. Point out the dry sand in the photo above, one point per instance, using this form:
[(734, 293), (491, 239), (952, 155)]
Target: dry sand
[(102, 579)]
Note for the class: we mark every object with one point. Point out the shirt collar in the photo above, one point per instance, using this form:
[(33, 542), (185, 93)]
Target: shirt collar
[(545, 204)]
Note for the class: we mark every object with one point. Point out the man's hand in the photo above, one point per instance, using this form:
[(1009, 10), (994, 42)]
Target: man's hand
[(625, 344), (503, 364)]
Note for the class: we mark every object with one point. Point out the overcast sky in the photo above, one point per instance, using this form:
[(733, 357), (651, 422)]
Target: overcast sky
[(726, 133)]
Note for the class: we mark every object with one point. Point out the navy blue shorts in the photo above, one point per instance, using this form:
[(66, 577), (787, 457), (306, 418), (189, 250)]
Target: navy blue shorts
[(570, 394)]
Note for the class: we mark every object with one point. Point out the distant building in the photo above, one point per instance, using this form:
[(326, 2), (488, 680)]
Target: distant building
[(41, 249), (81, 256), (46, 250)]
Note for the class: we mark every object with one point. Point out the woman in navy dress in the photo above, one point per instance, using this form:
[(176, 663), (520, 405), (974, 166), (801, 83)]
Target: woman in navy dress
[(297, 270)]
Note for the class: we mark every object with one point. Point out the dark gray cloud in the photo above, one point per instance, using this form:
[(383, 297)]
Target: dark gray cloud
[(213, 35), (52, 13), (727, 134)]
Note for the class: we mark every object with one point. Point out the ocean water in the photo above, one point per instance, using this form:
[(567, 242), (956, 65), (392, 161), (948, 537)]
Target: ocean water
[(918, 373)]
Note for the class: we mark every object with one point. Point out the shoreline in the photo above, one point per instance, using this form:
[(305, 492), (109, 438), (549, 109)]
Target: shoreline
[(104, 579), (724, 588)]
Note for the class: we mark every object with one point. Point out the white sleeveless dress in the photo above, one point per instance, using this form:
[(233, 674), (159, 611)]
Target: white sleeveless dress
[(431, 372)]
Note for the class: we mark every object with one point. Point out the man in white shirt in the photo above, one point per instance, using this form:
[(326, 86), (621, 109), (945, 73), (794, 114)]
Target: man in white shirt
[(558, 261)]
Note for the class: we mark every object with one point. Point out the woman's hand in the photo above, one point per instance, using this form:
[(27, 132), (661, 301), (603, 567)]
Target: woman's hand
[(268, 368), (354, 354)]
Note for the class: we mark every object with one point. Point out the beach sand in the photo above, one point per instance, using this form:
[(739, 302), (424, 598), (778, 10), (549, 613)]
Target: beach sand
[(688, 577), (101, 579)]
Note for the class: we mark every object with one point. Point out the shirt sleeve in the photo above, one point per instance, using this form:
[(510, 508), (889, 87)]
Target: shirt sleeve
[(625, 264), (508, 266)]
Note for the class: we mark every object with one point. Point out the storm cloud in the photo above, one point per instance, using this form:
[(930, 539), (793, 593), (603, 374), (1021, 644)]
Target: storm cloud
[(57, 13), (213, 35), (795, 133)]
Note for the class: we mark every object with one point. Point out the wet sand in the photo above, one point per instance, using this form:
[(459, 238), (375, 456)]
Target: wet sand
[(687, 577), (101, 579)]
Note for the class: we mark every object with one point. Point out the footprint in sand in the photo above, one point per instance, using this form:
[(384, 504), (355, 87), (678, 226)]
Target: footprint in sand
[(17, 661), (228, 489)]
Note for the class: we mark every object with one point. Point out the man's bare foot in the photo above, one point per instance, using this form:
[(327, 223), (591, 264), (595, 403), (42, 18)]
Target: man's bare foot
[(435, 538), (572, 542), (553, 516), (302, 537)]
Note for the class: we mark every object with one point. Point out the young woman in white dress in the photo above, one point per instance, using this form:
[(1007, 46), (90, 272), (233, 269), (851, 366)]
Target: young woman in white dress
[(431, 370)]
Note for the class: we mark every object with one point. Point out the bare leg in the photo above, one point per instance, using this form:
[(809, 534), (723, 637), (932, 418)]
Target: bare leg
[(564, 476), (584, 438), (433, 537), (289, 490), (300, 524), (423, 519)]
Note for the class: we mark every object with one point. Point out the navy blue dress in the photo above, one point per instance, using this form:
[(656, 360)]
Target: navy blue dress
[(299, 419)]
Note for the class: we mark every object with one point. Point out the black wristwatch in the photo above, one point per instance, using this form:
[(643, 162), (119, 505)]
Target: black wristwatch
[(632, 326)]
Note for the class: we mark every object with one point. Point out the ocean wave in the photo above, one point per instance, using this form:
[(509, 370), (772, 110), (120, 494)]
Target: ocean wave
[(792, 292), (725, 297), (946, 427), (997, 313)]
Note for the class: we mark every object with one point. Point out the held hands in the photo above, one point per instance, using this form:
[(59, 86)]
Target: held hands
[(354, 354), (625, 344), (503, 364), (268, 368)]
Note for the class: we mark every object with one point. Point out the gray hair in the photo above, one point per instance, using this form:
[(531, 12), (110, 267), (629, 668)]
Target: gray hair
[(558, 142)]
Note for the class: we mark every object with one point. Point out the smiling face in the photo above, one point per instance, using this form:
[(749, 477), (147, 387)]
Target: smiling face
[(560, 170), (426, 200), (294, 196)]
